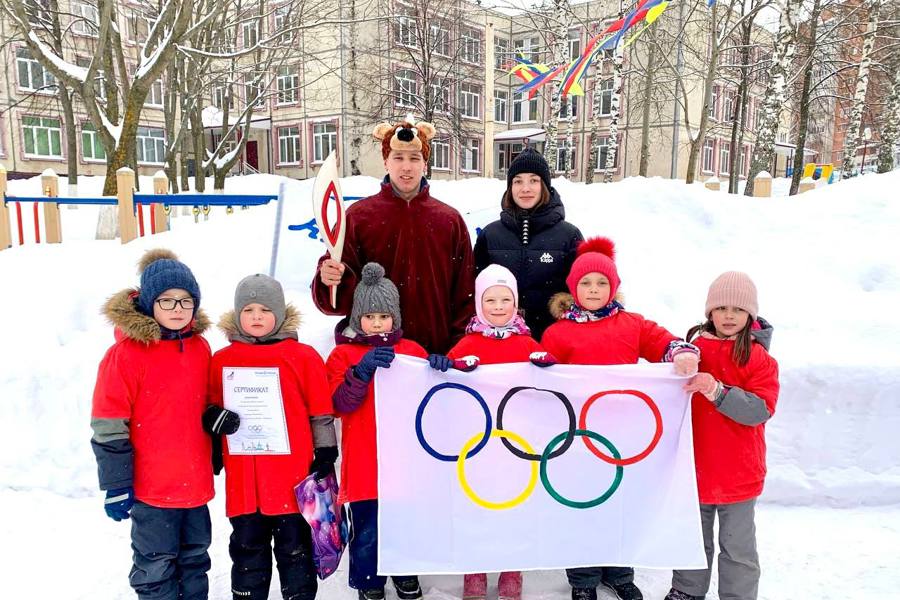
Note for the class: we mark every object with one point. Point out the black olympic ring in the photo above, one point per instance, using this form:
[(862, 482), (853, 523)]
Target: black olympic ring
[(570, 433)]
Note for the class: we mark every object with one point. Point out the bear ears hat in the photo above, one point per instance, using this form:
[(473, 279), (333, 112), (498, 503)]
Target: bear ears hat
[(408, 134)]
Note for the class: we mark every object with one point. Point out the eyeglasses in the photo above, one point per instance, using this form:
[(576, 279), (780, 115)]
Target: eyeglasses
[(170, 303)]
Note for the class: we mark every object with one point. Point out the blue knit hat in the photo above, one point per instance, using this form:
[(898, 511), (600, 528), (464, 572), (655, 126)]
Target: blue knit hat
[(161, 270)]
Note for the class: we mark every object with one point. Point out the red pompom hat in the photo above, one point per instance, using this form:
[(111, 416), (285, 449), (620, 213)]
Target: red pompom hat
[(594, 255)]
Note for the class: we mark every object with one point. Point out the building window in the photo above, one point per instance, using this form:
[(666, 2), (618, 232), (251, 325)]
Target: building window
[(709, 150), (568, 108), (440, 39), (85, 18), (91, 146), (728, 107), (471, 155), (725, 158), (565, 157), (405, 28), (37, 11), (470, 98), (282, 22), (43, 137), (743, 164), (440, 155), (500, 100), (99, 78), (32, 75), (605, 89), (603, 155), (250, 30), (528, 48), (288, 145), (470, 45), (574, 44), (253, 88), (440, 95), (406, 88), (151, 145), (155, 96), (324, 140), (714, 103), (524, 110), (138, 27), (220, 94), (288, 86), (501, 53)]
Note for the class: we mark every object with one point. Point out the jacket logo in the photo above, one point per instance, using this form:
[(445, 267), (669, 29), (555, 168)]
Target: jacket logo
[(546, 258)]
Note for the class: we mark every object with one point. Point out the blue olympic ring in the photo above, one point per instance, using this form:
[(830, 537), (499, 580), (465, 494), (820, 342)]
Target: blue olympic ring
[(421, 411)]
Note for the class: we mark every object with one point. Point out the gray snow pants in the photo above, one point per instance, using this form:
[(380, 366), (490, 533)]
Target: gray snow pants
[(738, 560)]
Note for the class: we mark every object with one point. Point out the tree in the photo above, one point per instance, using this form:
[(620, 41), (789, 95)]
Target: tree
[(854, 128)]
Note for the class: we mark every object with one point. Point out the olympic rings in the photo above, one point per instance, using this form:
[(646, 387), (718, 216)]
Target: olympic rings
[(467, 489), (618, 461), (575, 503), (421, 411), (570, 433)]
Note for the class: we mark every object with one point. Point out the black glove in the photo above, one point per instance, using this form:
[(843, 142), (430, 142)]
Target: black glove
[(218, 459), (218, 420), (371, 360), (323, 463), (439, 362)]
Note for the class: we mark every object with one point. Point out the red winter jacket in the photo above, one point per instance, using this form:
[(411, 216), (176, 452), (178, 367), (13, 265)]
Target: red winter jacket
[(266, 483), (490, 351), (148, 402), (354, 403), (620, 339), (425, 250), (729, 434)]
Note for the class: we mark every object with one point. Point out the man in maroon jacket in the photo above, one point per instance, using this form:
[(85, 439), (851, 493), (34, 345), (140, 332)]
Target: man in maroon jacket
[(422, 243)]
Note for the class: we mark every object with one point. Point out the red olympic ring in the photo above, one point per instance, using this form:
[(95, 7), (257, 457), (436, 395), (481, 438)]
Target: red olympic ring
[(630, 460)]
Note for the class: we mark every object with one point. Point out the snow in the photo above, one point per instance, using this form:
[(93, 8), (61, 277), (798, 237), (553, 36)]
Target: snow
[(73, 71), (826, 263)]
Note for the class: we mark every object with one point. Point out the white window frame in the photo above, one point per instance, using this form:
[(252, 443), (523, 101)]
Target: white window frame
[(440, 155), (605, 89), (405, 32), (156, 88), (743, 160), (568, 109), (53, 130), (147, 139), (91, 139), (603, 145), (281, 17), (470, 100), (501, 53), (525, 106), (35, 70), (724, 158), (324, 135), (406, 88), (138, 27), (219, 93), (285, 145), (250, 33), (470, 45), (86, 18), (574, 42), (708, 156), (563, 149), (527, 47), (471, 156), (439, 39), (440, 94), (288, 86), (501, 103), (259, 89), (728, 103), (713, 104)]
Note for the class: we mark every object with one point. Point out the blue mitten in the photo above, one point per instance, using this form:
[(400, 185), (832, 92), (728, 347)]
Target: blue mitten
[(439, 362), (371, 360), (118, 503)]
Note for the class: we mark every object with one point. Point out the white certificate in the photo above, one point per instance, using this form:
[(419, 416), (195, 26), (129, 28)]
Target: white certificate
[(254, 393)]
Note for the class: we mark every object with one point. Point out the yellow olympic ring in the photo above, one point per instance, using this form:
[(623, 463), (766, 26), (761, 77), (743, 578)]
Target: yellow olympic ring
[(461, 471)]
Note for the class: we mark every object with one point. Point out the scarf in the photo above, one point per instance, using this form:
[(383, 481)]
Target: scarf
[(515, 327), (582, 315)]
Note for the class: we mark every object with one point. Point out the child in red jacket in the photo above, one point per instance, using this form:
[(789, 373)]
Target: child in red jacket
[(153, 458), (497, 334), (735, 394), (367, 340), (260, 475), (593, 328)]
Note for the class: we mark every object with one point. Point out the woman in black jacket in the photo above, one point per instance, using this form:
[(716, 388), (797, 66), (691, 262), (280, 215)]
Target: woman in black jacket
[(532, 238)]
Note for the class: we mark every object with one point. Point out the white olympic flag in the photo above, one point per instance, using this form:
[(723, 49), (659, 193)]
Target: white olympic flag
[(566, 466)]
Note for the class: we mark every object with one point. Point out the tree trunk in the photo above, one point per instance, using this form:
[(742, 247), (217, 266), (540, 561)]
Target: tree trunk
[(708, 81), (854, 127), (650, 72), (803, 117), (560, 52), (740, 118), (891, 130)]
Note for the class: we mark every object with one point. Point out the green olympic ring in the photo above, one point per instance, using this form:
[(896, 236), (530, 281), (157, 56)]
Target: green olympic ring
[(575, 503)]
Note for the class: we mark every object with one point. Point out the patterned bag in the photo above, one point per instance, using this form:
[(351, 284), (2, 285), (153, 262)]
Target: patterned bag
[(316, 499)]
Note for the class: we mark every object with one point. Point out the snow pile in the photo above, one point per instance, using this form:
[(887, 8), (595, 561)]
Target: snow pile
[(826, 263)]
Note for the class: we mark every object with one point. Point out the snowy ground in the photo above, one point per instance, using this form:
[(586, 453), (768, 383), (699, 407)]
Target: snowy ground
[(827, 265)]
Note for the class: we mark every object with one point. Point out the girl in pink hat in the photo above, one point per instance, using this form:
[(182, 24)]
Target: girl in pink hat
[(593, 328)]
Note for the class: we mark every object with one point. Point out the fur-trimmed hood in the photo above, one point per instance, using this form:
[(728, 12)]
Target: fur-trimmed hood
[(292, 318), (122, 312), (563, 301)]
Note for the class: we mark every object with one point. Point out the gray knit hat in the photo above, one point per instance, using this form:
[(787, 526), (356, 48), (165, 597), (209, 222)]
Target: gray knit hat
[(161, 270), (374, 294), (263, 290)]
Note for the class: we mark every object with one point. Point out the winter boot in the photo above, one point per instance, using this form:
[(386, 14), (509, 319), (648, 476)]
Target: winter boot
[(475, 586), (408, 589), (510, 585), (584, 593), (679, 595), (372, 594), (625, 591)]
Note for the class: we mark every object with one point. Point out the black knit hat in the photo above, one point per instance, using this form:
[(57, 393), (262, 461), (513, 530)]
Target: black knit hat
[(529, 161)]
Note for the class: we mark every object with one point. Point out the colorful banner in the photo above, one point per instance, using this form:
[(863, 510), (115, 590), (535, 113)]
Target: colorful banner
[(514, 467)]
